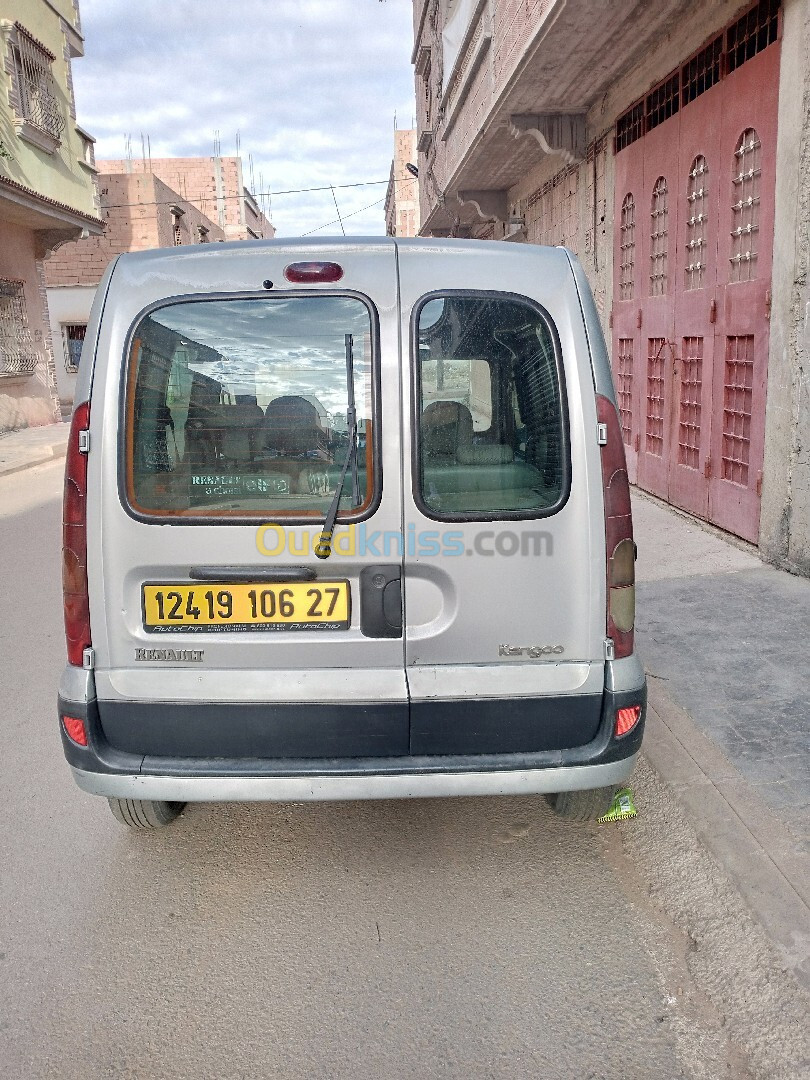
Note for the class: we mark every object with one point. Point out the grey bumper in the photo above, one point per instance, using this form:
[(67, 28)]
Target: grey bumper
[(340, 788)]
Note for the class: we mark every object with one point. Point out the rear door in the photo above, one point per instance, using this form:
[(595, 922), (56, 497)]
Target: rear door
[(504, 534), (217, 631)]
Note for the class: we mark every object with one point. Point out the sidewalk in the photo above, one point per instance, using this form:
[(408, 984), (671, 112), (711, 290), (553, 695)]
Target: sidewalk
[(724, 639), (32, 446)]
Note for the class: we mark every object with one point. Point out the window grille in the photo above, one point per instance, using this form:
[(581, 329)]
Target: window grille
[(177, 234), (553, 210), (624, 387), (689, 412), (627, 248), (737, 401), (630, 126), (752, 33), (701, 72), (659, 217), (39, 104), (743, 39), (17, 355), (663, 102), (655, 396), (73, 336), (697, 222), (745, 206)]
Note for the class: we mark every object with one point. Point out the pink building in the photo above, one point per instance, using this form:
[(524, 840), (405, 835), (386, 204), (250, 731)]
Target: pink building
[(666, 145)]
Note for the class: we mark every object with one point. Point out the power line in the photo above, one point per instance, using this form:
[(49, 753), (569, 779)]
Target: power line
[(354, 213), (256, 194)]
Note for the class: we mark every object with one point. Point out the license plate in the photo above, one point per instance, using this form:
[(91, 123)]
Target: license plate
[(211, 608)]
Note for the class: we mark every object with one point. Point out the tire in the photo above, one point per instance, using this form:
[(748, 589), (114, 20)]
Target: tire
[(144, 813), (582, 805)]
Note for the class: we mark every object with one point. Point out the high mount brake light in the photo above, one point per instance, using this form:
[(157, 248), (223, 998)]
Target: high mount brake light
[(74, 542), (621, 551), (313, 271)]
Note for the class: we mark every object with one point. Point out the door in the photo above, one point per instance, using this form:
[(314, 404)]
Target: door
[(694, 277), (658, 232), (699, 364), (745, 245), (213, 618), (504, 563), (628, 374)]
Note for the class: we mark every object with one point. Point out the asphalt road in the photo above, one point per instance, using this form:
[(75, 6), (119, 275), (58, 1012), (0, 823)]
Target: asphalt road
[(455, 938)]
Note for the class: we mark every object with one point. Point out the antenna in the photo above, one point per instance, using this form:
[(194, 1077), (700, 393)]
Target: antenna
[(149, 152), (238, 144)]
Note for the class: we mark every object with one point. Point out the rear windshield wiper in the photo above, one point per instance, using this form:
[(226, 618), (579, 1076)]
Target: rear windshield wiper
[(323, 549)]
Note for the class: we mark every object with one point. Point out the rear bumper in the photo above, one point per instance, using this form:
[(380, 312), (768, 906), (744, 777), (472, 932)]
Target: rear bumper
[(365, 785), (103, 769)]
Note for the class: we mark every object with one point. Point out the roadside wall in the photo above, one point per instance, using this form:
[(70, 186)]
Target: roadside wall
[(28, 400)]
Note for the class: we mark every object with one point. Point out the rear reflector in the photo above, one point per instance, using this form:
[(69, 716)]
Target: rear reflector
[(74, 542), (313, 271), (74, 726), (626, 719)]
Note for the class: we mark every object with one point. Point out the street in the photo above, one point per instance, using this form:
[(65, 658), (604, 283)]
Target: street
[(473, 937)]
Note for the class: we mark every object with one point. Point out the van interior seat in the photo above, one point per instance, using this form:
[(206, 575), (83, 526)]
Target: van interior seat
[(240, 429), (447, 436), (292, 427)]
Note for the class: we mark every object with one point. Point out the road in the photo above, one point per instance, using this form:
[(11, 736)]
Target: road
[(456, 938)]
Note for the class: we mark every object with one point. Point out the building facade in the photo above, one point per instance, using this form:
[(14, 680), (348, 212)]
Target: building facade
[(402, 195), (139, 212), (47, 193), (667, 145), (215, 185)]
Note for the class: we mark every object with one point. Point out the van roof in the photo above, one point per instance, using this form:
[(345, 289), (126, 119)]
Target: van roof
[(330, 245)]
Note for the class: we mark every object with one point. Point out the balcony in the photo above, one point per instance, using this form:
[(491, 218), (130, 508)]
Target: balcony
[(520, 86)]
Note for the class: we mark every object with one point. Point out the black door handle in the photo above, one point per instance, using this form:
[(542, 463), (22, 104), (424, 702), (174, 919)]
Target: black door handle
[(381, 601)]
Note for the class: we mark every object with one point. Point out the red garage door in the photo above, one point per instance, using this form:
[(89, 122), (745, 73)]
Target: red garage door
[(695, 174)]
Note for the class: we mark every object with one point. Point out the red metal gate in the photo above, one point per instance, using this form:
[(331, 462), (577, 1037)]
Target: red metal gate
[(695, 161)]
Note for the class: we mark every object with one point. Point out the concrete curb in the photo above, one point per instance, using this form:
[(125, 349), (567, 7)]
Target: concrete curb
[(756, 850), (15, 459)]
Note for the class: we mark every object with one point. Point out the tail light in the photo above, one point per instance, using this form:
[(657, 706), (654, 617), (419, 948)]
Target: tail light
[(74, 541), (621, 551)]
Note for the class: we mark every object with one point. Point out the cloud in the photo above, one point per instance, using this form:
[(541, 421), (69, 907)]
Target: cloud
[(311, 86)]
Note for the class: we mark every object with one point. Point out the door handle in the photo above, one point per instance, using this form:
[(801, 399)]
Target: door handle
[(381, 601)]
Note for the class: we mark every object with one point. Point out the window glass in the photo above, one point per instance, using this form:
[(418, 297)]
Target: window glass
[(239, 407), (491, 430)]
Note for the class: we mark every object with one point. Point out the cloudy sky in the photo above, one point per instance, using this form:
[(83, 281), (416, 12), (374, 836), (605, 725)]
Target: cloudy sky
[(311, 87)]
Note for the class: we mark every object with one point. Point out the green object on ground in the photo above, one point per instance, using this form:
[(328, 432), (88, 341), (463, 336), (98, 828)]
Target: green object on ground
[(622, 807)]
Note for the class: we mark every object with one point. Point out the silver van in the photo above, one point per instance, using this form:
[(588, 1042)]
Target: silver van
[(347, 519)]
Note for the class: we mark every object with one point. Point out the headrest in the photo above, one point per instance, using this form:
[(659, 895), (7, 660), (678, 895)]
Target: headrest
[(293, 425)]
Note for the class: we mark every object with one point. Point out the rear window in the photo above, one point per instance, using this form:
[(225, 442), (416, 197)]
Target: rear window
[(240, 408), (491, 439)]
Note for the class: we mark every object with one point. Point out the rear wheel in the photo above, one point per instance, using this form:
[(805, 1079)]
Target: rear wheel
[(582, 805), (144, 813)]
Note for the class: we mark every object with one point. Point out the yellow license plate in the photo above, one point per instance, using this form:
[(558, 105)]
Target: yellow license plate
[(208, 608)]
